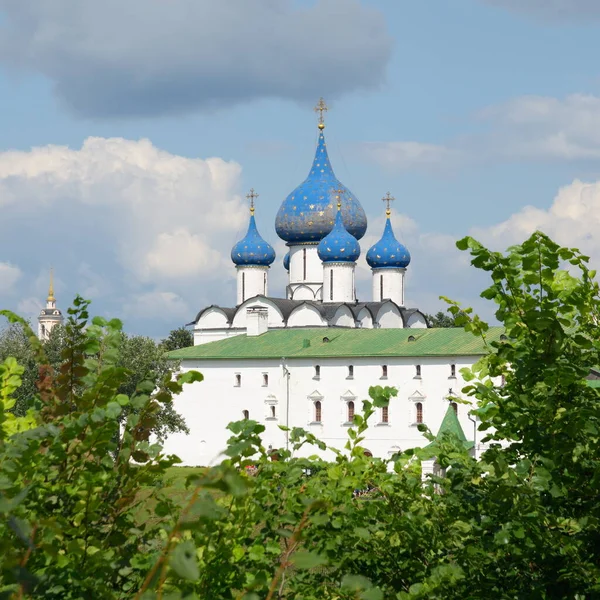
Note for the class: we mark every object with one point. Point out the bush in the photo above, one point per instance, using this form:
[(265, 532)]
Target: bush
[(85, 513)]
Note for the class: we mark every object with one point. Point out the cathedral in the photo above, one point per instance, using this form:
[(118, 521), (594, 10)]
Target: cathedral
[(307, 358), (50, 316)]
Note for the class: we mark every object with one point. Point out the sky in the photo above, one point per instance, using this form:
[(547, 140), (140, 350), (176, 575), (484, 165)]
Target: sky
[(131, 131)]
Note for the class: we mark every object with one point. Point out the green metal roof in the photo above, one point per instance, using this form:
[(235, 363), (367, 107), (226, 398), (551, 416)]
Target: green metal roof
[(451, 426), (312, 343)]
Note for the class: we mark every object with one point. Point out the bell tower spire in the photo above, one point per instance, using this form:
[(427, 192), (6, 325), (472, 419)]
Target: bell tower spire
[(50, 316)]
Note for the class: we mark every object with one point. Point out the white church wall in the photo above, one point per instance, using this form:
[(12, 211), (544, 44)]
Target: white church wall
[(210, 405), (389, 317), (213, 318), (203, 336), (365, 319), (343, 317), (306, 316), (275, 316), (416, 321)]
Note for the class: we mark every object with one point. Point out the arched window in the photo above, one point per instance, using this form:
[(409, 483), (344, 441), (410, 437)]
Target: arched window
[(246, 414), (350, 372), (238, 380), (454, 407), (417, 370), (350, 411), (452, 370), (273, 415), (265, 379), (419, 412), (317, 372), (385, 415), (318, 411), (384, 371)]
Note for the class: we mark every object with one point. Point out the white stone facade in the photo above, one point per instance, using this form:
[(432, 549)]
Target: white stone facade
[(286, 392)]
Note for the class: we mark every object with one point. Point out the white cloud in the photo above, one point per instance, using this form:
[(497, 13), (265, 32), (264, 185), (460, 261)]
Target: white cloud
[(573, 219), (9, 275), (526, 128), (180, 254), (115, 217), (156, 57)]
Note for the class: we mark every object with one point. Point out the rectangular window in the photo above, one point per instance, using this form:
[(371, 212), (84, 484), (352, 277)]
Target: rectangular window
[(317, 372), (350, 372), (265, 379), (273, 411), (452, 370), (331, 285), (265, 284), (238, 380), (418, 370), (246, 414), (243, 287), (381, 287), (304, 263), (385, 415), (384, 371)]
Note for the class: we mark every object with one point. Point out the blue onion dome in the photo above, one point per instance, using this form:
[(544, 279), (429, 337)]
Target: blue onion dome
[(252, 250), (286, 261), (388, 252), (308, 213), (339, 245)]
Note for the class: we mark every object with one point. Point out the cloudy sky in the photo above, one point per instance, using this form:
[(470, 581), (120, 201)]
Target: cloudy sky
[(132, 129)]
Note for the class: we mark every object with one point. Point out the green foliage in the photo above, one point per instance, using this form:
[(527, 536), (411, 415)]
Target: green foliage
[(80, 519), (441, 319), (142, 358), (178, 338)]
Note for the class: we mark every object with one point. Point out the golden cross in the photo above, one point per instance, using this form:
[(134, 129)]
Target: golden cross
[(321, 107), (338, 195), (252, 196), (388, 199)]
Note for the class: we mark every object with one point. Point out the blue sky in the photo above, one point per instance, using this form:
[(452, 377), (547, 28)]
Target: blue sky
[(132, 130)]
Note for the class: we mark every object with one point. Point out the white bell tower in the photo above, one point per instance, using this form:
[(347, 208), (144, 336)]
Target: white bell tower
[(50, 316)]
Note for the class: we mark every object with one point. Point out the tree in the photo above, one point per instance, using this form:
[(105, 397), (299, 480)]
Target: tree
[(178, 338), (441, 319), (84, 513), (142, 358)]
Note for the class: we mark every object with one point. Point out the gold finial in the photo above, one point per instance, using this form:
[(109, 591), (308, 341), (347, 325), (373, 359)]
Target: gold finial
[(252, 196), (321, 107), (388, 199), (338, 196), (51, 297)]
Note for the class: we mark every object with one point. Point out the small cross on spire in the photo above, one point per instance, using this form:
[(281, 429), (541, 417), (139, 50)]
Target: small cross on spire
[(388, 199), (252, 195), (338, 196), (321, 107)]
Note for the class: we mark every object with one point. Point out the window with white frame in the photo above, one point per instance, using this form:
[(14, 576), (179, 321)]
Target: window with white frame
[(385, 414), (265, 380), (237, 382), (315, 408), (318, 412), (350, 372), (384, 371), (350, 413), (452, 371), (418, 412), (317, 372)]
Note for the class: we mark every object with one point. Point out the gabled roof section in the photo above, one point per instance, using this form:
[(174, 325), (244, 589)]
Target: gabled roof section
[(342, 342), (451, 426)]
